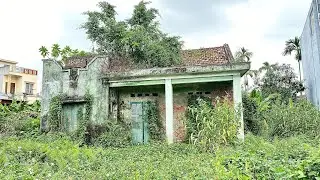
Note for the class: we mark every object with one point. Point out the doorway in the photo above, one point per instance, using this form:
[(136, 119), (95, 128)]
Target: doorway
[(139, 125), (12, 88)]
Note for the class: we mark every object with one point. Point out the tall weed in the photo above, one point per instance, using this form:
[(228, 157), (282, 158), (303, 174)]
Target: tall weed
[(209, 125)]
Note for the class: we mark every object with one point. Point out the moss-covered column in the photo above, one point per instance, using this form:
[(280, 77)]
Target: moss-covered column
[(169, 110), (237, 99)]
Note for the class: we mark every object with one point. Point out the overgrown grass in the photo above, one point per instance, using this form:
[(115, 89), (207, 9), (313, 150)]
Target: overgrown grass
[(257, 158)]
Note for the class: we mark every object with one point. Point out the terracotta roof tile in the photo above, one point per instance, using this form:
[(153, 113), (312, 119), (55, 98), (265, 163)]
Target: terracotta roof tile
[(78, 61), (207, 56), (192, 57)]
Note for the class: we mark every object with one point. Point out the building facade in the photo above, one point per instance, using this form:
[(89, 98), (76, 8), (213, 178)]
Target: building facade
[(310, 53), (17, 83), (119, 89)]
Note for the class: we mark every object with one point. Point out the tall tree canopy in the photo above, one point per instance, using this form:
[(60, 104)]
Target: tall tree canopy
[(280, 79), (139, 38)]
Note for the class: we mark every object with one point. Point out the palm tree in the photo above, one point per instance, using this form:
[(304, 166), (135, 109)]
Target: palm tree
[(265, 67), (65, 53), (243, 55), (55, 51), (293, 45), (44, 51)]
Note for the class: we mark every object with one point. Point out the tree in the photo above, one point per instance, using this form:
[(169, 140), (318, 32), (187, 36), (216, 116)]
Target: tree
[(138, 39), (293, 45), (65, 53), (282, 80), (243, 55), (142, 15), (58, 54), (55, 51), (44, 51), (254, 75)]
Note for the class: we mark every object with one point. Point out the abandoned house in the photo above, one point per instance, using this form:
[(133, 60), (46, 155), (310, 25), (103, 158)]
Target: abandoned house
[(119, 89)]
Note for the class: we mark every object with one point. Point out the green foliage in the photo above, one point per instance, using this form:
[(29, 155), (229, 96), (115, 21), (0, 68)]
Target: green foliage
[(256, 158), (84, 116), (44, 51), (112, 134), (208, 126), (152, 117), (281, 79), (19, 119), (285, 120), (55, 114), (293, 45), (260, 159), (61, 54), (243, 55), (250, 109), (139, 39)]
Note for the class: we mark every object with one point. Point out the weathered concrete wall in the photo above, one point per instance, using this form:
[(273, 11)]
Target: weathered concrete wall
[(180, 101), (310, 51), (74, 83), (51, 86)]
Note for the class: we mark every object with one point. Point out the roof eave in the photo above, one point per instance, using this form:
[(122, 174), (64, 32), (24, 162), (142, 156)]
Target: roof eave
[(240, 68)]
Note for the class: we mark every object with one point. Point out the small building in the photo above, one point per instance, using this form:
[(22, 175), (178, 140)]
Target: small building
[(119, 88), (310, 53), (17, 83)]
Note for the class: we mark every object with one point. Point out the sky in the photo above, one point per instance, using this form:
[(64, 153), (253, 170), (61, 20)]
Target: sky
[(262, 26)]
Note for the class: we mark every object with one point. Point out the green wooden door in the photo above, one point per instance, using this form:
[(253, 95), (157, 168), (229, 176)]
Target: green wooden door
[(139, 125)]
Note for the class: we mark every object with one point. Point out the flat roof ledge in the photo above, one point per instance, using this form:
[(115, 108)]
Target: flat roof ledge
[(241, 68)]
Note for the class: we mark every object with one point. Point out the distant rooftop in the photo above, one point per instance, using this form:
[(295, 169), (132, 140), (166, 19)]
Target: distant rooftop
[(8, 61)]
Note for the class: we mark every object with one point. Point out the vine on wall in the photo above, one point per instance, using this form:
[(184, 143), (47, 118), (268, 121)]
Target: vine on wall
[(82, 131), (55, 114), (155, 126)]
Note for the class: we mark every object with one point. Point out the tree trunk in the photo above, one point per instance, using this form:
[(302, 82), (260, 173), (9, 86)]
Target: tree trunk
[(299, 71), (300, 76)]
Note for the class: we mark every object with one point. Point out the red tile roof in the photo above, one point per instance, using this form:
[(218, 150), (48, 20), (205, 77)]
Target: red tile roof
[(207, 56), (192, 57)]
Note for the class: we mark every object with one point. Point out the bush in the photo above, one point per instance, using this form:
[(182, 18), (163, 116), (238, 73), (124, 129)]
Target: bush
[(257, 158), (209, 125), (114, 134), (285, 120), (19, 119), (250, 109)]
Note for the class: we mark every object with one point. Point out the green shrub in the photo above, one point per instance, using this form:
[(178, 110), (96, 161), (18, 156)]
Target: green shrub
[(19, 119), (212, 125), (111, 134), (250, 111), (285, 120)]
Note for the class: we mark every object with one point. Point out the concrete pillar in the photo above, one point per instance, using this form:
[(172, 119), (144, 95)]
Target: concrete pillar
[(237, 99), (169, 110), (107, 100)]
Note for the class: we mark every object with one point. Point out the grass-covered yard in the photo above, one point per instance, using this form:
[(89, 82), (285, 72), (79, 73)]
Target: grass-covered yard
[(255, 159)]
